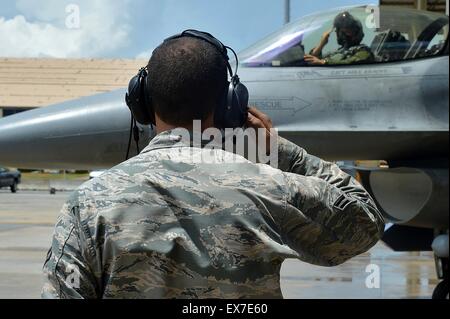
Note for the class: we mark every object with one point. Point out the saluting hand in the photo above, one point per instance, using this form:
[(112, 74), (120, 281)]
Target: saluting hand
[(326, 37), (257, 119)]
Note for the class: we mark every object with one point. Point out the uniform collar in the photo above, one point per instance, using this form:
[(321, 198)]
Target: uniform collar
[(179, 137)]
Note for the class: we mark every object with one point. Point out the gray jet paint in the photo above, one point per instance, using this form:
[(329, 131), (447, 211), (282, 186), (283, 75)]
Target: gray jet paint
[(394, 111)]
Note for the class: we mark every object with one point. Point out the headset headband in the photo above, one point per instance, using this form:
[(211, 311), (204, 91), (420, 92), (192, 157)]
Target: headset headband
[(205, 36)]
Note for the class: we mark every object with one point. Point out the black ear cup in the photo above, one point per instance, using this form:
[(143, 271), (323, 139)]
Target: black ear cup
[(240, 97), (233, 113), (138, 99)]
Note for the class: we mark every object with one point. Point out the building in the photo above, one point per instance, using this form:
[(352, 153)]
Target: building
[(430, 5), (31, 83)]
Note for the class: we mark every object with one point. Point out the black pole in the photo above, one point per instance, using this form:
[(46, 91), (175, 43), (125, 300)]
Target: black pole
[(287, 11)]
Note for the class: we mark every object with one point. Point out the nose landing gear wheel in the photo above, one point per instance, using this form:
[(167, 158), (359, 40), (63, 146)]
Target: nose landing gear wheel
[(441, 290)]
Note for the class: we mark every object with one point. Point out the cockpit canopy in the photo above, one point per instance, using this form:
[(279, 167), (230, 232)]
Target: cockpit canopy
[(390, 34)]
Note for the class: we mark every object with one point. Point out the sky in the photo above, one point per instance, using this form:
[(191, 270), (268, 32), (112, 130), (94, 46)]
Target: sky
[(133, 28)]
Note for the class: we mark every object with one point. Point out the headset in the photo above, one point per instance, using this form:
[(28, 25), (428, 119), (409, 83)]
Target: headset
[(231, 111)]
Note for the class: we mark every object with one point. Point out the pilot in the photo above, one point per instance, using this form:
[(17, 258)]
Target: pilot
[(349, 33), (164, 224)]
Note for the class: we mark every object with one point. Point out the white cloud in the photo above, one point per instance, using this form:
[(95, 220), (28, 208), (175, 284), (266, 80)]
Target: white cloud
[(145, 54), (44, 11), (41, 29)]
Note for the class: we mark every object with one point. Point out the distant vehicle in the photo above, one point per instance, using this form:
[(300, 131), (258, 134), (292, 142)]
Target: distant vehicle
[(9, 178)]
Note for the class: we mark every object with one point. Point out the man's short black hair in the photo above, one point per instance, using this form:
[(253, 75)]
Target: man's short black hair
[(187, 78)]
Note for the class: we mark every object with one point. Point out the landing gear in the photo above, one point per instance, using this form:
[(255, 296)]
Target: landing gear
[(440, 248), (441, 290)]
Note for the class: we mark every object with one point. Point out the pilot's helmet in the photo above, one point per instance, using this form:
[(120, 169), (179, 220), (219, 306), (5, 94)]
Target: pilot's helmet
[(345, 20)]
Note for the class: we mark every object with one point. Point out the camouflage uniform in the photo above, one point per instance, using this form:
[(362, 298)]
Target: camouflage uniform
[(161, 225), (353, 55)]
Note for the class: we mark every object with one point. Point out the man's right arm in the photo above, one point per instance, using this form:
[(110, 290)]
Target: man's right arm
[(317, 51), (329, 217)]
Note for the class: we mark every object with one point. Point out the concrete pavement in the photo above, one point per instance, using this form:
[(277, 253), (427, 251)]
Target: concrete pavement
[(26, 226)]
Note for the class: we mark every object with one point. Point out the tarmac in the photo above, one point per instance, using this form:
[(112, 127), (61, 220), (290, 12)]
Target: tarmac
[(27, 219)]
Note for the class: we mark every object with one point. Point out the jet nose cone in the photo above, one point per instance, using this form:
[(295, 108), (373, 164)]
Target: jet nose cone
[(11, 140), (89, 133)]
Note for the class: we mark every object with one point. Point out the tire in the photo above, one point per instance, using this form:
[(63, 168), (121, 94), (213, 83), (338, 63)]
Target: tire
[(441, 290), (14, 187)]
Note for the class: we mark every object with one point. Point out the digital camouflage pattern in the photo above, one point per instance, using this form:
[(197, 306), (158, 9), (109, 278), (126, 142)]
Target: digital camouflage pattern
[(160, 225), (353, 55)]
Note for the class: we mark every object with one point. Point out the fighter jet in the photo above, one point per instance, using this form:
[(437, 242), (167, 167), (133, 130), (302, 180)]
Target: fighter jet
[(392, 107)]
